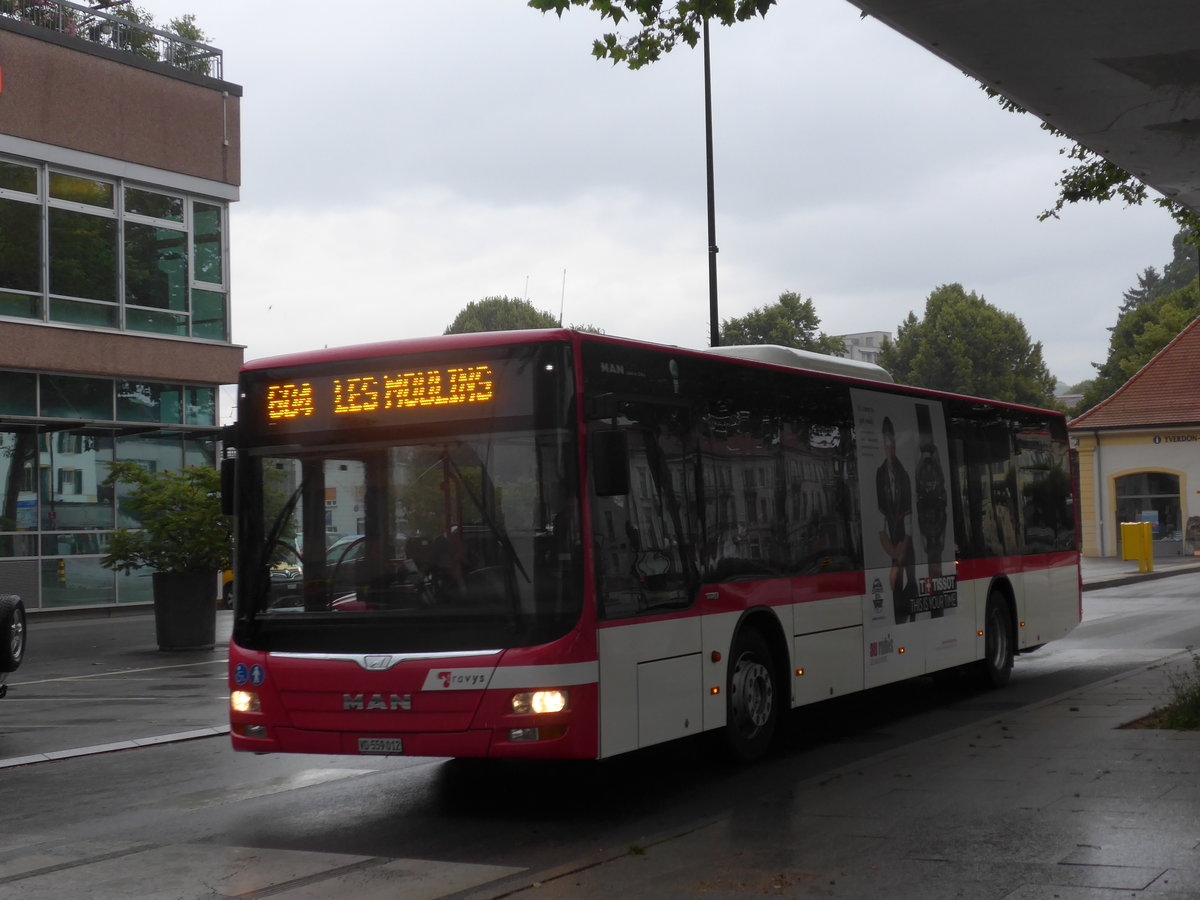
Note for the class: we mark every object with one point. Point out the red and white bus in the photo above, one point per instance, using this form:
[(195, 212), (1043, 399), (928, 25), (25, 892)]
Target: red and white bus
[(551, 544)]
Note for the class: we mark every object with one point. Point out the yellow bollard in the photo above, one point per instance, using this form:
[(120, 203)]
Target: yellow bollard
[(1137, 542)]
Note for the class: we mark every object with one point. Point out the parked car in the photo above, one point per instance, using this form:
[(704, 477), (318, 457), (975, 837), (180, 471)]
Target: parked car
[(12, 637)]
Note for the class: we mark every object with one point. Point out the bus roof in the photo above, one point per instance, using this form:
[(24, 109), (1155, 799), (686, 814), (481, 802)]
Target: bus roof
[(404, 346), (765, 354), (805, 359)]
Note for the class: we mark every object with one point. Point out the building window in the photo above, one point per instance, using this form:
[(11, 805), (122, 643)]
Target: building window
[(1153, 497), (20, 255), (68, 397), (116, 255), (18, 394), (28, 395), (16, 177), (207, 235), (153, 205), (156, 272), (56, 512)]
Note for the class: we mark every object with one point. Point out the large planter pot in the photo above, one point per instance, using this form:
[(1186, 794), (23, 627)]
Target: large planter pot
[(185, 610)]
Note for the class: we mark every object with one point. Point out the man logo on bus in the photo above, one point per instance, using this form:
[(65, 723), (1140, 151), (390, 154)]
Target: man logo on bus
[(391, 702)]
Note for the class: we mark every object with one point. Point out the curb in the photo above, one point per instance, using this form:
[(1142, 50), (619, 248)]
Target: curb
[(1107, 581), (50, 756)]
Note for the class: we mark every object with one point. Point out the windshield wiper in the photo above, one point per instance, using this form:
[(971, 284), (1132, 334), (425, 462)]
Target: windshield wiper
[(277, 526), (488, 520)]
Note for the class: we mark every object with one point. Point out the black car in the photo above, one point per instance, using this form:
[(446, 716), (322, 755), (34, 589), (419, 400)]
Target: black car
[(12, 637)]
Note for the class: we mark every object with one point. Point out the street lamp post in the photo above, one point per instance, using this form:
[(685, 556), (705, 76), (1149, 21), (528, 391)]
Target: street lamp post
[(714, 329)]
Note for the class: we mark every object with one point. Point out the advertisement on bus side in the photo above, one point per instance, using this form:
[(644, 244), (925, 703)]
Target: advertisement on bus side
[(908, 539)]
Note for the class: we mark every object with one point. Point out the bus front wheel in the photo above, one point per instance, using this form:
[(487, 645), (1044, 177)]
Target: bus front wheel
[(997, 663), (752, 701)]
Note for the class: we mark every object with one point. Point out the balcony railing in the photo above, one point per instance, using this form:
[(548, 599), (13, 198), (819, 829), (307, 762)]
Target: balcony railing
[(118, 33)]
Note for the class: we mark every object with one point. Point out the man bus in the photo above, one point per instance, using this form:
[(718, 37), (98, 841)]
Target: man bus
[(565, 545)]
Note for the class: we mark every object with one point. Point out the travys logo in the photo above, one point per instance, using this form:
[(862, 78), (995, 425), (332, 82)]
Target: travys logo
[(457, 679)]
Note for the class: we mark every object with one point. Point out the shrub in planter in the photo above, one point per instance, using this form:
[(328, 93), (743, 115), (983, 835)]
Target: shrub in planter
[(184, 539)]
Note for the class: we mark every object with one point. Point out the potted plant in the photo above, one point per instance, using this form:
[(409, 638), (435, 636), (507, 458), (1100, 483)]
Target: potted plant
[(184, 539)]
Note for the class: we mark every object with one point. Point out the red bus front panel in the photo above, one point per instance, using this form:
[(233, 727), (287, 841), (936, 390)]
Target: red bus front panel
[(417, 706)]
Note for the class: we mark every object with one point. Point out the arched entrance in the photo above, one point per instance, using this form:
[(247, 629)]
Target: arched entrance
[(1152, 497)]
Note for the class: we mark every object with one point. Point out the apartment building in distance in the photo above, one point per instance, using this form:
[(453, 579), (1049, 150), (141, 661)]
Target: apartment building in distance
[(865, 345)]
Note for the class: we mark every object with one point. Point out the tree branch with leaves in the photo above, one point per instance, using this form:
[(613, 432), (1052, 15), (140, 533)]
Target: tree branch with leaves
[(660, 26), (1091, 177)]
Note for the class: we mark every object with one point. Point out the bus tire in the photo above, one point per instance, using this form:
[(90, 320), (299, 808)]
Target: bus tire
[(752, 697), (12, 633), (997, 663)]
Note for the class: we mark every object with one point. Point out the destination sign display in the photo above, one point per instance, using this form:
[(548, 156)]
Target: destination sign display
[(349, 396), (387, 393)]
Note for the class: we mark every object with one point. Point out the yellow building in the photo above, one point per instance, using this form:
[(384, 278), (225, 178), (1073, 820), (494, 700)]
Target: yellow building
[(1139, 455)]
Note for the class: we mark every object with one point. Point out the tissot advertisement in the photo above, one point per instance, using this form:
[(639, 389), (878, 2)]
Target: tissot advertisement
[(908, 540)]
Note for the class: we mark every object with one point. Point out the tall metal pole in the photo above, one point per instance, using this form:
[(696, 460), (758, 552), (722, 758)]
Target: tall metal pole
[(714, 337)]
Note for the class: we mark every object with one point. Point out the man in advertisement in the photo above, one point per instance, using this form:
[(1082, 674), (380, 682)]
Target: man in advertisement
[(931, 512), (893, 492)]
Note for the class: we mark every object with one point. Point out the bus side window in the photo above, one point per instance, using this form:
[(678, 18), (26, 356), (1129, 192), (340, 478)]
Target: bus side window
[(644, 544)]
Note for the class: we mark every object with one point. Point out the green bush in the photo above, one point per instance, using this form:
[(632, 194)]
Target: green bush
[(182, 527), (1183, 712)]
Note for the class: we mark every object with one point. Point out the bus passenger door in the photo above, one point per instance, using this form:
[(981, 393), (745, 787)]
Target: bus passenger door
[(648, 642)]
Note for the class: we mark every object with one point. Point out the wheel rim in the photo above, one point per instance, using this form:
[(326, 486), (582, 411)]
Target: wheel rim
[(753, 695), (16, 643)]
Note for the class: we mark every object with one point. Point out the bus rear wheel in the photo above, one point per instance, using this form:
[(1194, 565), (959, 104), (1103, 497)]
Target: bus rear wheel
[(998, 651), (752, 700)]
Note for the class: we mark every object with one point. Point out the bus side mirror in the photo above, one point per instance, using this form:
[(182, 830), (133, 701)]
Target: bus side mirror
[(610, 463), (227, 486)]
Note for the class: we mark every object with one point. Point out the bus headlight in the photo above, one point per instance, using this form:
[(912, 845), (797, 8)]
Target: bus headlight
[(539, 702), (244, 702)]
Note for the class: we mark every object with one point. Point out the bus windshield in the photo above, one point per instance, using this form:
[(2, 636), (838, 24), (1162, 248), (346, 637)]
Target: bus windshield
[(451, 542)]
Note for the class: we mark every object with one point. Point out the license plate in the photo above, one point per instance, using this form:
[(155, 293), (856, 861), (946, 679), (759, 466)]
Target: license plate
[(380, 745)]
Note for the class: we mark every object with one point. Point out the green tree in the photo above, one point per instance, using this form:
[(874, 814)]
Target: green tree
[(182, 528), (134, 40), (965, 345), (1148, 287), (660, 25), (791, 321), (1137, 336), (184, 56), (1151, 314), (84, 24), (500, 314), (1184, 265)]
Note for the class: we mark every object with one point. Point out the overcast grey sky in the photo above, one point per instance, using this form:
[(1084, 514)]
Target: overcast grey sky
[(402, 159)]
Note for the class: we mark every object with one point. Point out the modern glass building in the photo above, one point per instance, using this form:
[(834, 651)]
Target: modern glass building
[(119, 158)]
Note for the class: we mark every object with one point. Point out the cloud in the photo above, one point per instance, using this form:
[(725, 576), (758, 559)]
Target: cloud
[(402, 160), (406, 265)]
